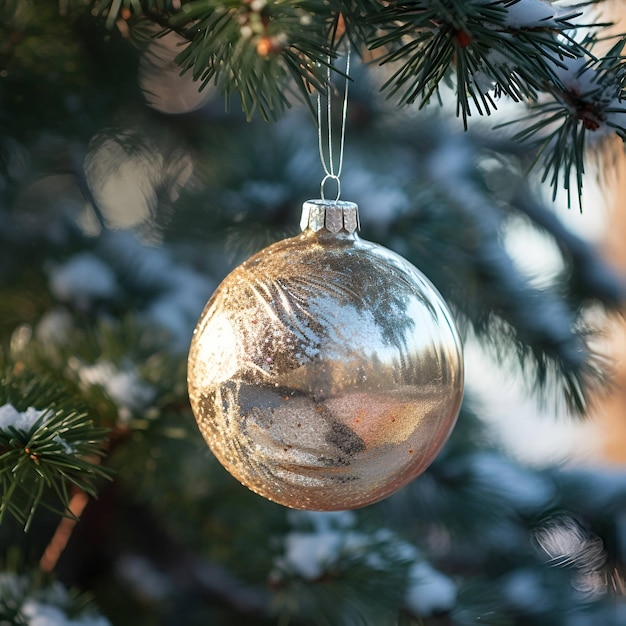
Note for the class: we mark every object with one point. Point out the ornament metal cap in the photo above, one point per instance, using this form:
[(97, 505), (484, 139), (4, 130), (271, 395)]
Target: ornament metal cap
[(334, 216)]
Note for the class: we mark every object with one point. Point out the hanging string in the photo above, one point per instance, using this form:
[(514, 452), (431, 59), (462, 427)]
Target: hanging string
[(329, 166)]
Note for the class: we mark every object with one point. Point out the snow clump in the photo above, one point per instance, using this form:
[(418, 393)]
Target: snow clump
[(82, 278), (320, 540), (24, 421), (20, 420), (41, 607), (124, 386), (531, 14)]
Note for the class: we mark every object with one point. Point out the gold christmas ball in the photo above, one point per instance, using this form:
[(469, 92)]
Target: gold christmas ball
[(326, 371)]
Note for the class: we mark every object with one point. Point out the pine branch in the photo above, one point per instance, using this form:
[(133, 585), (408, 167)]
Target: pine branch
[(489, 47), (258, 49), (261, 50), (579, 113), (274, 53), (118, 371), (63, 533), (27, 598), (45, 448)]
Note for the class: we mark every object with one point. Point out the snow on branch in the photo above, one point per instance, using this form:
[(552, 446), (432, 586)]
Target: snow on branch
[(44, 453)]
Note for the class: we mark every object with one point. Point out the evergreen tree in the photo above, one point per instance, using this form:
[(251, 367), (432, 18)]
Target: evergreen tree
[(126, 195)]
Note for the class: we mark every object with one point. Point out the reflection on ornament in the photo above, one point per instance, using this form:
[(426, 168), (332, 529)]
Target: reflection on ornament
[(326, 372)]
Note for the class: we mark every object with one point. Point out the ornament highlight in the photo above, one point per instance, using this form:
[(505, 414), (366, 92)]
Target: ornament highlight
[(326, 371)]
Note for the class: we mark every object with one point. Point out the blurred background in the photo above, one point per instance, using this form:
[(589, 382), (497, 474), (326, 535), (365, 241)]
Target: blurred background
[(126, 195)]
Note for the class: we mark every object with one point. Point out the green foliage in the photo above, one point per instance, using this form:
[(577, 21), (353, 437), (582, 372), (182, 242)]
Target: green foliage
[(259, 50), (254, 48), (270, 52), (562, 125), (428, 39), (372, 562), (122, 388), (58, 452), (17, 590)]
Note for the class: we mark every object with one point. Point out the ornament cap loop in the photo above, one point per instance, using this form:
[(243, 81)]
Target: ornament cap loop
[(333, 216)]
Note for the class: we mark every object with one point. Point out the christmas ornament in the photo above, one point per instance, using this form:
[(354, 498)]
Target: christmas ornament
[(326, 371)]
